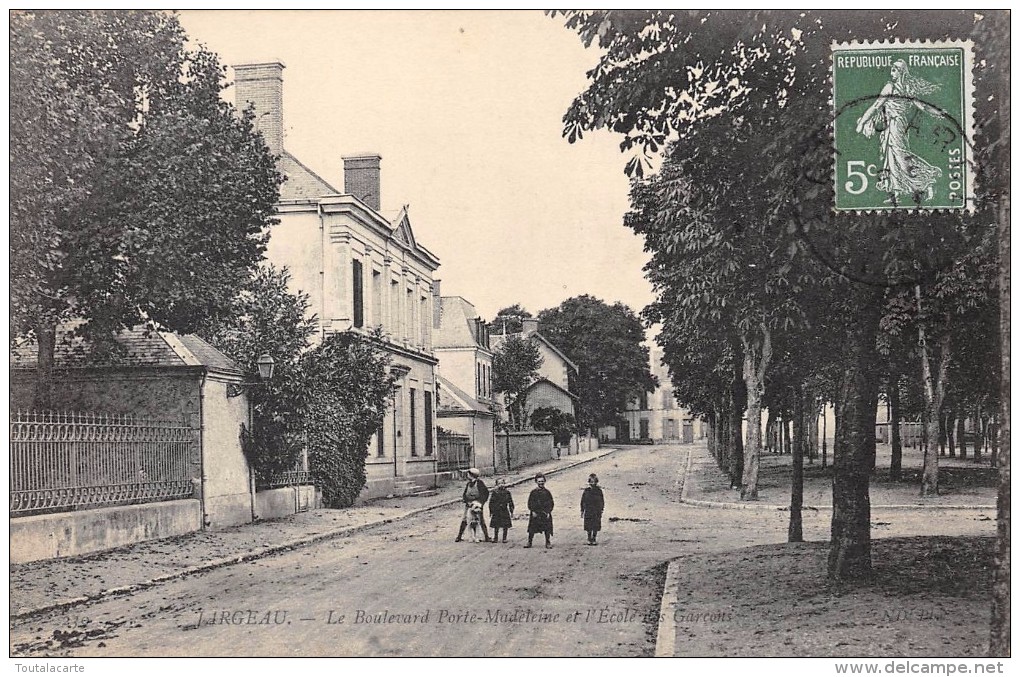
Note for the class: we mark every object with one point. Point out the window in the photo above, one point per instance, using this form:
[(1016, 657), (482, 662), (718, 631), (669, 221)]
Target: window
[(425, 320), (377, 309), (394, 320), (380, 443), (643, 404), (409, 327), (428, 423), (359, 295), (478, 379), (414, 425)]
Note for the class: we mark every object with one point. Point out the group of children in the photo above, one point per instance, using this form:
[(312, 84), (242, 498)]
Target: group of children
[(540, 507)]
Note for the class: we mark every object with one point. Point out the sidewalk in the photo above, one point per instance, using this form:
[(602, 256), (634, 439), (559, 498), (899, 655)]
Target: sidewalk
[(704, 484), (60, 583), (796, 613)]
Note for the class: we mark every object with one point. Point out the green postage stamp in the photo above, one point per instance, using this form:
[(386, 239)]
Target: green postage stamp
[(903, 125)]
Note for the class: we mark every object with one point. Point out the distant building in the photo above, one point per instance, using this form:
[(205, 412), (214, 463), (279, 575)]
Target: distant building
[(656, 416), (552, 387), (362, 269), (466, 405)]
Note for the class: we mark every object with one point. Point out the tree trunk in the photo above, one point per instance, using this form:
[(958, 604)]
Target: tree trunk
[(738, 401), (934, 387), (713, 437), (950, 433), (999, 640), (961, 434), (770, 423), (942, 434), (825, 434), (757, 355), (795, 534), (811, 423), (850, 542), (979, 432), (993, 436), (46, 338), (896, 461)]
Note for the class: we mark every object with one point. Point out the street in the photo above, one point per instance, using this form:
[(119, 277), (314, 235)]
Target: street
[(406, 589)]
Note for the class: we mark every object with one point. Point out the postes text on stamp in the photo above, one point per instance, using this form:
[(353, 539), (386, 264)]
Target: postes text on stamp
[(903, 125)]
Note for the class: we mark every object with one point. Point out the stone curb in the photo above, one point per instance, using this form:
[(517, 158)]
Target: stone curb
[(665, 638), (271, 550), (751, 505)]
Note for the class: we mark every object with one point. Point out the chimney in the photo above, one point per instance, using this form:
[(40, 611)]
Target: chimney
[(361, 178), (261, 84), (529, 325), (437, 305)]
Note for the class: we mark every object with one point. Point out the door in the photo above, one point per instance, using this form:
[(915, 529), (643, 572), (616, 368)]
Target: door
[(688, 432)]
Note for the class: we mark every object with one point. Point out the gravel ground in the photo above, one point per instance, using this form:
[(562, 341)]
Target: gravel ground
[(357, 595)]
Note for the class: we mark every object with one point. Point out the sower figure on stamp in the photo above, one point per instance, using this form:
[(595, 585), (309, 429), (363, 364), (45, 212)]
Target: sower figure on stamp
[(501, 509), (540, 503), (592, 505), (474, 490), (903, 171)]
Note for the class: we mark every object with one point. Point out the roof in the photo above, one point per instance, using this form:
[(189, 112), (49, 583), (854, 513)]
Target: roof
[(557, 387), (302, 183), (498, 339), (455, 324), (140, 347), (453, 398)]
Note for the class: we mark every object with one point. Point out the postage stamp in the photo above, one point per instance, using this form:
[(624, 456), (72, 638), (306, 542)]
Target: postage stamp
[(903, 125)]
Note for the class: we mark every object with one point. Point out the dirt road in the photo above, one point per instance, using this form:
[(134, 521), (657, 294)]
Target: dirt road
[(406, 589)]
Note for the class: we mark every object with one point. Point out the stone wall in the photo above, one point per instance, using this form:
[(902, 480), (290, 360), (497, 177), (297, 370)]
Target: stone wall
[(525, 448)]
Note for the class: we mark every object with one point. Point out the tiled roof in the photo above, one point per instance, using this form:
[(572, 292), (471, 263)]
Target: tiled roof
[(454, 330), (207, 355), (139, 347), (302, 183), (452, 398)]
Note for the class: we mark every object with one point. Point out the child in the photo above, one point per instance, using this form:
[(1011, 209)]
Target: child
[(501, 509), (592, 504), (540, 503)]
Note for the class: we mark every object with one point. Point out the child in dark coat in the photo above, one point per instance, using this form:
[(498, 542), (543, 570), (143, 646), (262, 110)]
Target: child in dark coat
[(540, 503), (501, 508), (592, 505)]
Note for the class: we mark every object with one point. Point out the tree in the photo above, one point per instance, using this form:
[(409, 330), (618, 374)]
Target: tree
[(508, 320), (666, 74), (560, 424), (265, 318), (138, 195), (348, 388), (515, 366), (605, 342)]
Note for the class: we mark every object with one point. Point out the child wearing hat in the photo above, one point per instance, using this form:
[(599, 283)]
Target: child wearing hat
[(474, 490)]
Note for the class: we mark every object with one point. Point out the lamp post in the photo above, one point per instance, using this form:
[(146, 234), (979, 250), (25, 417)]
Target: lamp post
[(265, 365)]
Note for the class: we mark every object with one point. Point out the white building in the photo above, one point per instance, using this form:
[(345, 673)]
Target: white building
[(362, 269)]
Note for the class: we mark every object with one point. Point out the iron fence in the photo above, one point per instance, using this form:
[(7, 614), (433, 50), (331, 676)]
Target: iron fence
[(70, 461), (453, 453), (291, 478)]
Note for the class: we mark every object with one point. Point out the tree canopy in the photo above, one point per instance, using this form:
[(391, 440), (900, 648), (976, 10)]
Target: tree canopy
[(606, 343), (137, 194)]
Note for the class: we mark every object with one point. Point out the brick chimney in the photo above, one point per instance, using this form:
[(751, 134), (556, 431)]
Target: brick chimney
[(361, 178), (261, 84), (437, 304)]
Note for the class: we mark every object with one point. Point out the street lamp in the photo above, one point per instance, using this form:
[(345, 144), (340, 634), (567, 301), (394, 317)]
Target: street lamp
[(265, 364)]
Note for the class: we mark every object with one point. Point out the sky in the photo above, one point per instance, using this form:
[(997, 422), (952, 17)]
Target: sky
[(465, 108)]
